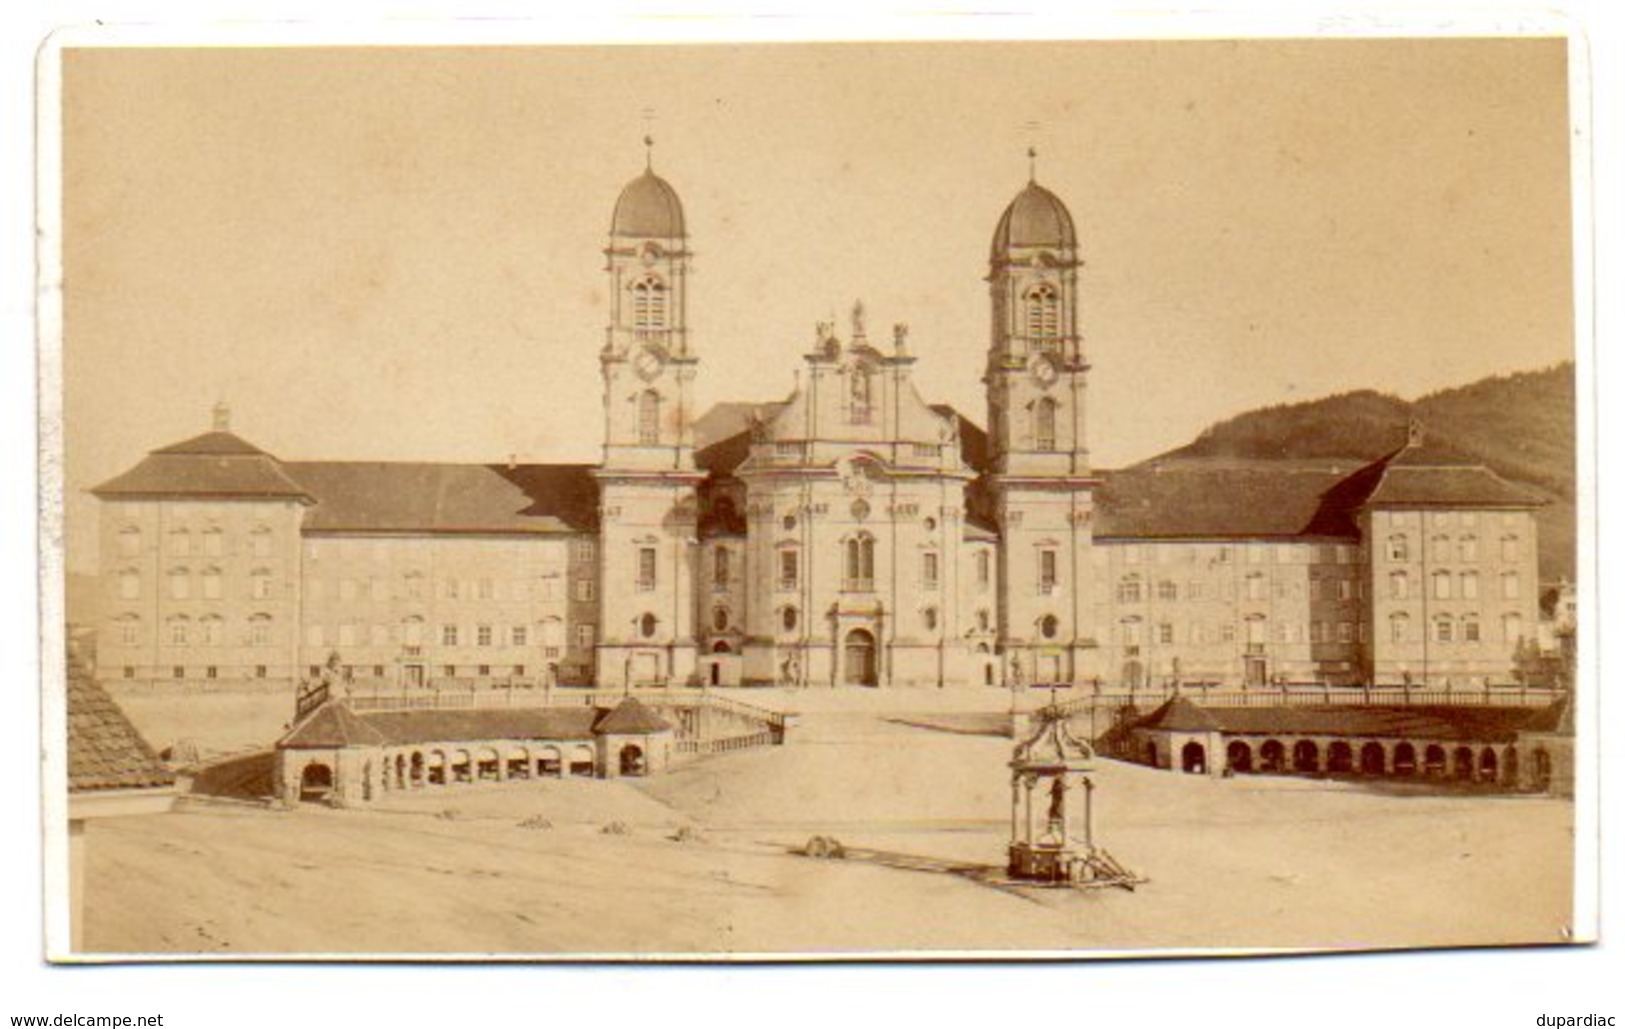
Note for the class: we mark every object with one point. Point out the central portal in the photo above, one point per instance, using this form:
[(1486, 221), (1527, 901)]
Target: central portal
[(861, 666)]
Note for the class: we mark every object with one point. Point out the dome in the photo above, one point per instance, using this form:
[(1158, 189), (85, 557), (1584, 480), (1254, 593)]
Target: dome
[(648, 207), (1035, 218)]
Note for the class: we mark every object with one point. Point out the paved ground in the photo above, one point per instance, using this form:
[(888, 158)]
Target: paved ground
[(1249, 862)]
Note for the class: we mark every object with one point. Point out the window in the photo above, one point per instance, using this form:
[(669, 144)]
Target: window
[(129, 630), (860, 389), (412, 632), (929, 617), (214, 542), (721, 572), (584, 635), (178, 672), (484, 670), (1512, 627), (448, 635), (1399, 585), (984, 569), (1345, 632), (1469, 629), (483, 636), (1049, 571), (1255, 555), (584, 590), (1255, 587), (449, 671), (649, 303), (211, 583), (180, 543), (860, 563), (485, 589), (719, 620), (646, 568), (581, 550), (260, 584), (1129, 590), (453, 588), (984, 621), (129, 541), (928, 570), (1196, 590), (414, 585), (1443, 630), (213, 629), (1509, 586), (1469, 585), (1347, 589), (1044, 424), (788, 618), (1467, 548), (177, 632), (180, 584), (260, 541), (789, 569), (1441, 548), (1167, 590), (1165, 632), (261, 671), (1399, 627), (1399, 549), (1441, 585), (647, 625), (1509, 547), (519, 636), (1049, 626), (129, 584), (1043, 312)]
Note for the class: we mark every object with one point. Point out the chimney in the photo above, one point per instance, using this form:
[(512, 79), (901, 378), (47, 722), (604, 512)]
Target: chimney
[(222, 417)]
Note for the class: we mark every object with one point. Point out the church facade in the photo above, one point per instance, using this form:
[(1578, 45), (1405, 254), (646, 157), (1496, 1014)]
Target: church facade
[(853, 533)]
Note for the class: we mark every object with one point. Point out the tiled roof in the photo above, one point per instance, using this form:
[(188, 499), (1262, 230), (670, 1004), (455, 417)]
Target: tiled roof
[(105, 752), (630, 718), (1423, 722), (200, 473), (333, 725), (1180, 714), (402, 727), (1427, 473), (391, 496), (1208, 498), (214, 444)]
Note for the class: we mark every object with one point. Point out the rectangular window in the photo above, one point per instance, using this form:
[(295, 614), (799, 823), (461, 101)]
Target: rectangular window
[(453, 589), (378, 635), (1469, 631), (214, 543), (928, 570), (259, 632), (260, 671), (789, 569), (984, 569), (211, 672), (482, 636), (448, 635), (211, 585), (1165, 632), (720, 569), (486, 589), (519, 635), (584, 590), (583, 635), (179, 671), (646, 568), (1509, 586), (1443, 630), (1314, 589), (581, 550), (449, 671), (1509, 548), (1166, 590), (1047, 571), (1345, 632), (485, 670)]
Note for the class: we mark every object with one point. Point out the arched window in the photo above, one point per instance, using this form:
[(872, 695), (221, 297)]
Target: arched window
[(647, 625), (719, 620), (1043, 312), (1044, 424), (1441, 585), (1399, 548), (1399, 585), (721, 567), (648, 418), (178, 631), (860, 562), (214, 630), (788, 618), (649, 303), (929, 617)]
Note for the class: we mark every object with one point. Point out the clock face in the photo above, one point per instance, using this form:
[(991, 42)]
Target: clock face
[(647, 364), (1044, 372)]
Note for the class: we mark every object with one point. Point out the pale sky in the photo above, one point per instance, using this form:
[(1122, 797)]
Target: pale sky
[(396, 253)]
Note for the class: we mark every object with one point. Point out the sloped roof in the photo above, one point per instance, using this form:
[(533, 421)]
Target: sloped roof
[(391, 496), (333, 725), (220, 472), (1219, 498), (1425, 473), (105, 752), (630, 718), (427, 726), (1422, 722), (214, 444), (1052, 745), (722, 435)]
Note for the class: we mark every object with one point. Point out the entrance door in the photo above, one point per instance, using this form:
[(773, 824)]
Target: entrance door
[(861, 667), (414, 676), (1256, 672)]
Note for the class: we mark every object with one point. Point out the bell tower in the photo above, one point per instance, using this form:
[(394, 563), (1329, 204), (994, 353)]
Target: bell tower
[(1036, 379), (648, 480)]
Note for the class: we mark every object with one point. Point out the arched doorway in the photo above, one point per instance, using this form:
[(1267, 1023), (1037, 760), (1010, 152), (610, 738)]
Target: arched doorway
[(1193, 758), (1489, 766), (1405, 759), (1305, 756), (582, 763), (549, 763), (861, 667), (1433, 761), (316, 782), (1509, 767), (1541, 770), (1340, 758), (632, 760), (1372, 759), (1240, 756), (1463, 762), (1272, 756)]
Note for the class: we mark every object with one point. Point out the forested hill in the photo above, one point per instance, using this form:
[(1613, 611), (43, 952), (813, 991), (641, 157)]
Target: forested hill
[(1521, 426)]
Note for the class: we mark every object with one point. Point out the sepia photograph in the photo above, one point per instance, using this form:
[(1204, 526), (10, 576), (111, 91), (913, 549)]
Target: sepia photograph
[(911, 500)]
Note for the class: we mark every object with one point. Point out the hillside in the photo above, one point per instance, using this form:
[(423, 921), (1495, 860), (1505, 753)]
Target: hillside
[(1521, 426)]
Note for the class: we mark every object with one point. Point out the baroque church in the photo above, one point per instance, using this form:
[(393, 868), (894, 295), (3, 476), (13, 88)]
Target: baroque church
[(852, 533)]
